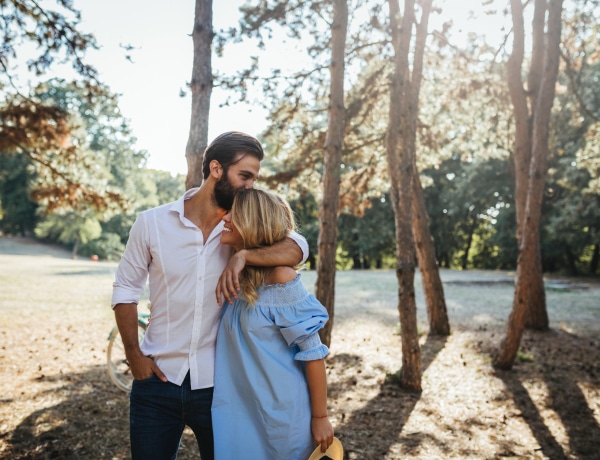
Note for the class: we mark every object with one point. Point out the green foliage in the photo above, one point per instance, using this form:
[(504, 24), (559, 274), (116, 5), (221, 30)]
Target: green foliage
[(305, 209), (523, 357), (101, 133), (93, 124), (465, 134), (465, 147), (369, 240), (107, 246), (168, 187), (470, 209), (17, 210), (154, 188), (40, 35), (105, 137), (571, 231), (69, 228)]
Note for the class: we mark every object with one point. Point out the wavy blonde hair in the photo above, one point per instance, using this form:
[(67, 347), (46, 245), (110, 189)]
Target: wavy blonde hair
[(262, 219)]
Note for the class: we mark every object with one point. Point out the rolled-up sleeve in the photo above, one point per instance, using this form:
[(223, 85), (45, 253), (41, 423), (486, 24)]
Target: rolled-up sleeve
[(132, 272), (302, 244)]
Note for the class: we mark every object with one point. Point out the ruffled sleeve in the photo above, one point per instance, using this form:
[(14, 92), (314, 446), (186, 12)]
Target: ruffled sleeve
[(299, 316), (311, 349)]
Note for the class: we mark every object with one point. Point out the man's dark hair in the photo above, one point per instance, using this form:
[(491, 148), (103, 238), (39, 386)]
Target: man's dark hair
[(226, 148)]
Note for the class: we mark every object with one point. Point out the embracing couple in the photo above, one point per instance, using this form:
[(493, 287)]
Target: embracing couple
[(232, 349)]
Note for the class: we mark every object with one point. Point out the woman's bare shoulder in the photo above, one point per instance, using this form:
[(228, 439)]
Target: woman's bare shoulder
[(281, 275)]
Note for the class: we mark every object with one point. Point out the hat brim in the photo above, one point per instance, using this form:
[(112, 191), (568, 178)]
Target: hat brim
[(335, 451)]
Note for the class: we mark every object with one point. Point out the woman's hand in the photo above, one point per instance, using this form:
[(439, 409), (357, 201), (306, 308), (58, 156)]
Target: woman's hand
[(229, 281), (322, 432)]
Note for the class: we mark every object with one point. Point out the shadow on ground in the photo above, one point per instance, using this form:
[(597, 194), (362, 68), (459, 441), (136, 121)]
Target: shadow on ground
[(382, 415), (563, 380), (90, 422)]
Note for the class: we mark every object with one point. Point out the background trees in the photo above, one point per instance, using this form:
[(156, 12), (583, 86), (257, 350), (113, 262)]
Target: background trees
[(41, 37), (68, 161), (68, 166), (464, 129)]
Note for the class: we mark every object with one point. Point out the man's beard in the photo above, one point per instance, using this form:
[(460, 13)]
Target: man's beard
[(224, 193)]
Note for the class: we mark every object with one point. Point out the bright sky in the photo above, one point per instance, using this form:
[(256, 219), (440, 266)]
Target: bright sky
[(162, 65)]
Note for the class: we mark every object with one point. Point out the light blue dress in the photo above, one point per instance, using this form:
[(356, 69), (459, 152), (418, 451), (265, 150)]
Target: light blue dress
[(261, 404)]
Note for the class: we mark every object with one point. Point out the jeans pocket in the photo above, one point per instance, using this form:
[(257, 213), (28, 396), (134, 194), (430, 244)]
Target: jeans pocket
[(147, 379)]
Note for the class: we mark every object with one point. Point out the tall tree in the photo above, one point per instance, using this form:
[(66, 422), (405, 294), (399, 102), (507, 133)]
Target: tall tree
[(201, 86), (524, 114), (433, 289), (328, 216), (425, 249), (33, 128), (105, 144), (531, 145), (400, 144)]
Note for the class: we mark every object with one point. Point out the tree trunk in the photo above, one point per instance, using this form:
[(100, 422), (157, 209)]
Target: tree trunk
[(433, 289), (465, 258), (327, 244), (530, 232), (75, 249), (400, 149), (201, 87), (595, 260), (571, 260), (524, 110), (536, 316)]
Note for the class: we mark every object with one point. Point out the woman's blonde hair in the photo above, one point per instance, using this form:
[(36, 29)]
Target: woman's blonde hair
[(262, 219)]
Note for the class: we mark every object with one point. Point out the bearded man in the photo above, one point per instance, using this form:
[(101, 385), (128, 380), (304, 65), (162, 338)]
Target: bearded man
[(176, 248)]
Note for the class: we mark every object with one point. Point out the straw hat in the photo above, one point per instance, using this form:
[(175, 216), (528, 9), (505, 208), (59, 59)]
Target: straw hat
[(335, 452)]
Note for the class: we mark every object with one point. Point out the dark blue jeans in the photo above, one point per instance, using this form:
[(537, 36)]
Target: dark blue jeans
[(160, 411)]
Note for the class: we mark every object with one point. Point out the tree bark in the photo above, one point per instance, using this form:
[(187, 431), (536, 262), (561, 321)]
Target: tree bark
[(571, 259), (433, 289), (595, 259), (465, 258), (75, 249), (400, 149), (530, 232), (201, 87), (524, 106), (328, 218), (536, 316)]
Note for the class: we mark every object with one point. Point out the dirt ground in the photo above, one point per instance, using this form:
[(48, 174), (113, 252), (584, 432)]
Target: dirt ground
[(56, 401)]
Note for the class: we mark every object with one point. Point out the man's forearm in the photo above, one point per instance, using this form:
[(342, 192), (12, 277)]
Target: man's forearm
[(141, 366), (126, 316), (285, 253)]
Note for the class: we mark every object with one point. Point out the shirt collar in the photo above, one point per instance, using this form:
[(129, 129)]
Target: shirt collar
[(177, 206)]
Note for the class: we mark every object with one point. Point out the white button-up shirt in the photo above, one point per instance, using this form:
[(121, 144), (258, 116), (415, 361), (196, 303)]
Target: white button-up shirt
[(182, 270)]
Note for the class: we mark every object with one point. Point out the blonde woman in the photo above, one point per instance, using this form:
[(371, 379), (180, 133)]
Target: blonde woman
[(270, 399)]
